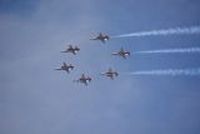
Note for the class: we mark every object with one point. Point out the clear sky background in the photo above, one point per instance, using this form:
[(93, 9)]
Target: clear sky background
[(35, 99)]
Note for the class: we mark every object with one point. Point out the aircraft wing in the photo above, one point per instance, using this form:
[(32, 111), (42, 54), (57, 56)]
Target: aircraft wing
[(124, 56), (112, 77), (67, 70)]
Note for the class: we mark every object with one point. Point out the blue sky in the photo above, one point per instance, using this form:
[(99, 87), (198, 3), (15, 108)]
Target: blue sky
[(36, 99)]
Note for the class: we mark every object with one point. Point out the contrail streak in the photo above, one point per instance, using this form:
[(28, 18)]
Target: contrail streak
[(170, 72), (170, 31), (175, 50)]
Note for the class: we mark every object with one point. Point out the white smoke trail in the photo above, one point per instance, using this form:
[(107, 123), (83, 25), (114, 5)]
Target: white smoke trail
[(171, 31), (171, 72), (175, 50)]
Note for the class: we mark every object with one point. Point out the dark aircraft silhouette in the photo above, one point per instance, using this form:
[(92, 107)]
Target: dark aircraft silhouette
[(66, 67), (71, 49), (83, 79), (110, 73), (102, 37), (122, 53)]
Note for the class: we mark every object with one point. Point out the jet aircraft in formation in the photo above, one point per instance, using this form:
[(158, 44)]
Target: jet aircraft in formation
[(110, 73), (122, 53), (102, 37), (66, 67), (71, 49), (84, 79)]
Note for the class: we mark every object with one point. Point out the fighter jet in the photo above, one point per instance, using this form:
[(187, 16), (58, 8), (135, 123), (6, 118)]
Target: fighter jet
[(83, 79), (66, 67), (122, 53), (110, 73), (102, 37), (71, 49)]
